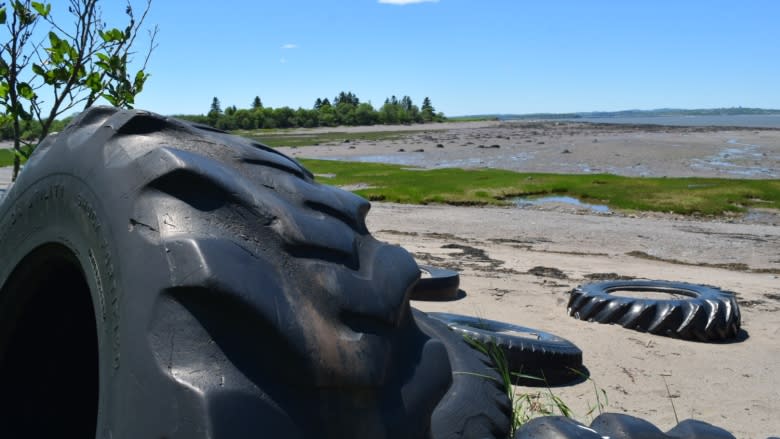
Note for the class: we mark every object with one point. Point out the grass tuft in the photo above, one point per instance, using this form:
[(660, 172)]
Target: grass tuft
[(530, 405)]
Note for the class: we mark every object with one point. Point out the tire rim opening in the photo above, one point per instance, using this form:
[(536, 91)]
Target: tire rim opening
[(48, 349)]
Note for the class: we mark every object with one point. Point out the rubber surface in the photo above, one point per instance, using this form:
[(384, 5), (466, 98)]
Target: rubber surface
[(213, 290), (616, 426), (476, 405), (706, 314), (436, 284), (528, 351)]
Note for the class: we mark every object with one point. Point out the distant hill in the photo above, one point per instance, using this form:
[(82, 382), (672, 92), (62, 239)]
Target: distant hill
[(627, 113)]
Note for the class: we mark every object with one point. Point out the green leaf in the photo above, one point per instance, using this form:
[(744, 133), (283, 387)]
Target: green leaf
[(103, 65), (25, 90), (42, 9), (25, 15), (3, 91), (139, 81), (19, 109), (93, 82), (112, 35), (111, 100), (38, 70), (54, 40), (23, 153), (3, 16)]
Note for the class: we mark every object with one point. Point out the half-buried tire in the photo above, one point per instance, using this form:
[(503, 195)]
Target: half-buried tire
[(545, 357), (436, 284), (704, 313), (163, 279)]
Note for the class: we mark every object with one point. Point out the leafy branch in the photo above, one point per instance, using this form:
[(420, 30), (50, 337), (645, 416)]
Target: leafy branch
[(77, 66)]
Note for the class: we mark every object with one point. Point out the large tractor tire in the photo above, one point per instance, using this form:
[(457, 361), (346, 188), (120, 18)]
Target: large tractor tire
[(163, 279), (704, 314)]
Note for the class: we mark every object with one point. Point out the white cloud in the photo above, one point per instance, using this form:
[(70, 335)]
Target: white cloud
[(289, 46), (406, 2)]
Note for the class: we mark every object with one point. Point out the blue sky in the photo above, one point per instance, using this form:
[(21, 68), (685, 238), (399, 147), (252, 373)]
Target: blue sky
[(468, 56)]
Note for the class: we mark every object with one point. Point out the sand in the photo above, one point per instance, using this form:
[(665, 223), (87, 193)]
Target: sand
[(498, 251)]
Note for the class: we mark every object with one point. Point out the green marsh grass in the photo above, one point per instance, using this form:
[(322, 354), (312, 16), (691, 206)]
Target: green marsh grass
[(400, 184), (7, 156)]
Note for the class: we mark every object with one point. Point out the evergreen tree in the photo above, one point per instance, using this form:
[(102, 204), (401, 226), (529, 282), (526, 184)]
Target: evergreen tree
[(215, 112), (426, 105), (215, 106), (257, 103), (318, 104), (406, 103), (428, 112)]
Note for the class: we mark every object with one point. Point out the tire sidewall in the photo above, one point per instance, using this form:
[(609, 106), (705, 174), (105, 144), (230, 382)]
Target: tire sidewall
[(494, 330), (62, 210)]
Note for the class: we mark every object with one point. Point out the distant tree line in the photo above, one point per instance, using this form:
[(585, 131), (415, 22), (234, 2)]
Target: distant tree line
[(32, 130), (345, 109)]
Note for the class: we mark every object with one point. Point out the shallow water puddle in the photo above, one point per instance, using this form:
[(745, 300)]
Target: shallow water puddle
[(537, 201)]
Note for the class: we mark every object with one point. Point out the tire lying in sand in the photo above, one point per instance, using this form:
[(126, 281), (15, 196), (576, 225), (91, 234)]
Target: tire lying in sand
[(436, 284), (163, 279), (528, 351), (705, 314), (616, 426), (476, 405)]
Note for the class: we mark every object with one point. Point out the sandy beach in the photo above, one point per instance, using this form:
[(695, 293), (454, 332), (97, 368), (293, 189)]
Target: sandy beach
[(518, 264)]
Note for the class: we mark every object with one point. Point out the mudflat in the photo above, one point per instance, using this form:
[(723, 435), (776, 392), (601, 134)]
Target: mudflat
[(566, 147)]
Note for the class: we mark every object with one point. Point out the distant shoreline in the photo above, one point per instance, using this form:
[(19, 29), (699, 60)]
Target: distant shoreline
[(726, 121)]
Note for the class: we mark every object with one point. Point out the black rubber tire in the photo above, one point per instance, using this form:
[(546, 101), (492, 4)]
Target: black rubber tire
[(476, 405), (537, 353), (616, 426), (706, 314), (438, 284), (163, 279)]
